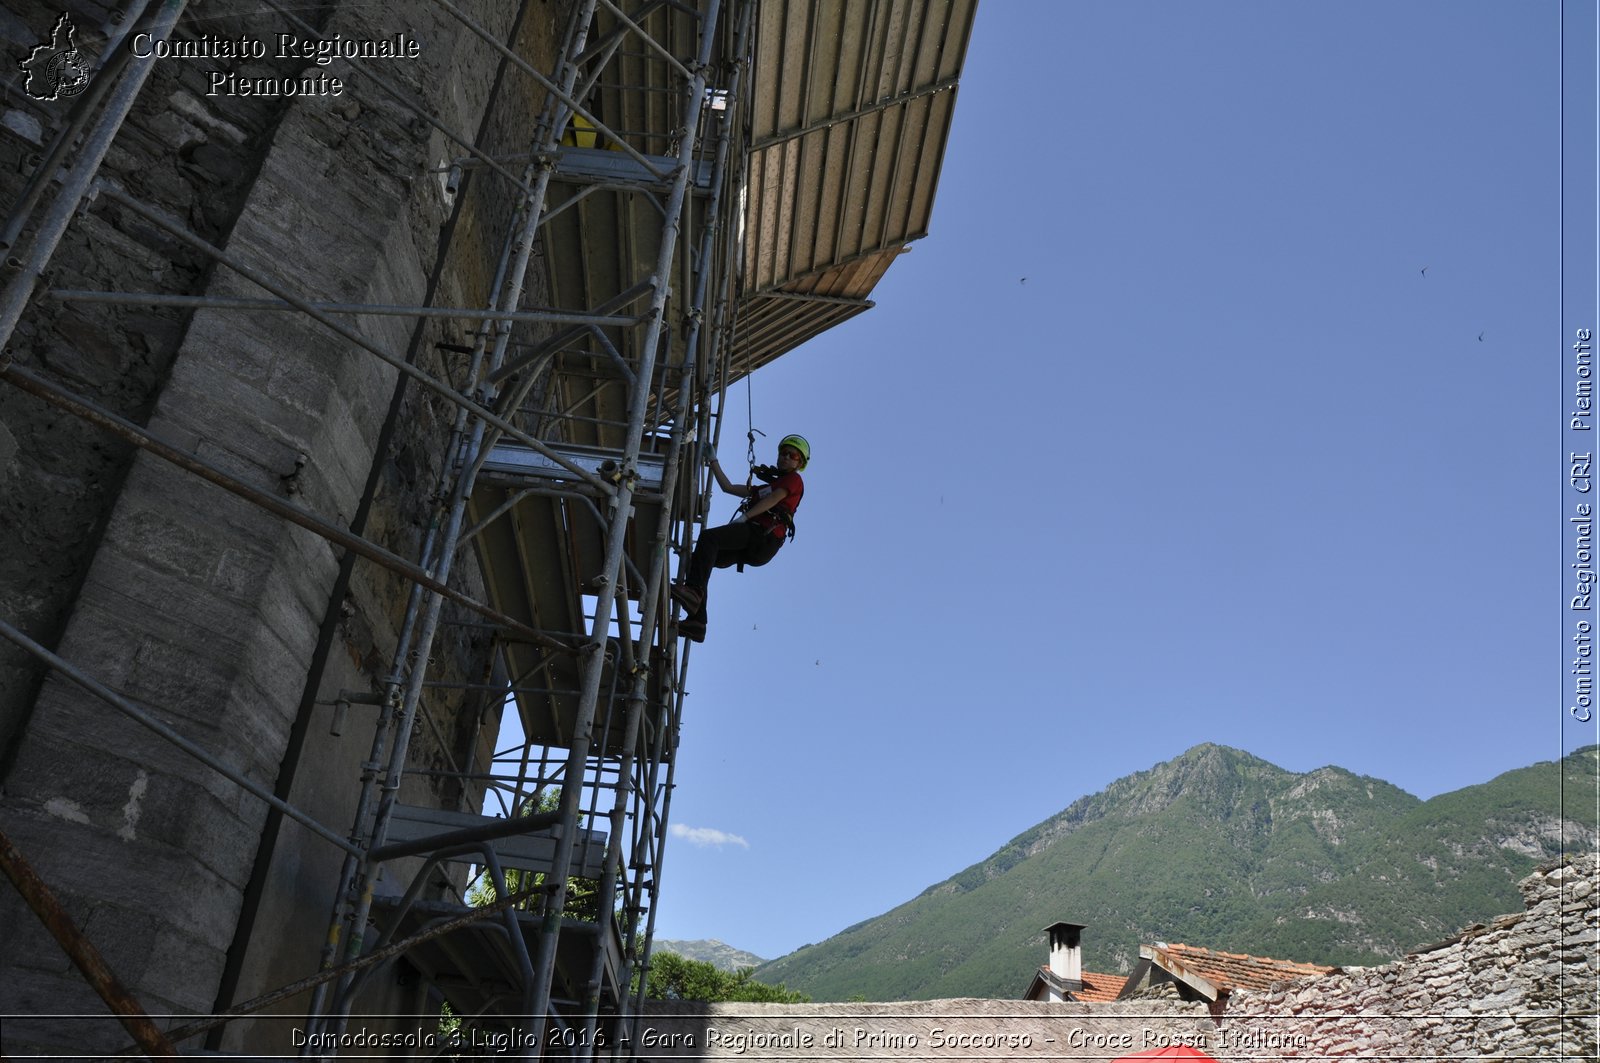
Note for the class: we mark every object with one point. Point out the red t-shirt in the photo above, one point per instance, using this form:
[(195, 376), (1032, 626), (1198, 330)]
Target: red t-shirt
[(790, 482)]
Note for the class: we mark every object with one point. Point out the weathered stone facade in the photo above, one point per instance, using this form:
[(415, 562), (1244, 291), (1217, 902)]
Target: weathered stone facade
[(1526, 985), (207, 610), (955, 1030), (1523, 987)]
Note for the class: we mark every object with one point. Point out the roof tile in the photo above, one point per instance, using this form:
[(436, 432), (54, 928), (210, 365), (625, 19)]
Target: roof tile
[(1097, 988), (1235, 970), (1100, 988)]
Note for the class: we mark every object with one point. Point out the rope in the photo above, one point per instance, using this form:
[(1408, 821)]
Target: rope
[(750, 423)]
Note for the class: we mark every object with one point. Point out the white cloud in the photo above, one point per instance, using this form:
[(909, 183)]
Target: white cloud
[(706, 836)]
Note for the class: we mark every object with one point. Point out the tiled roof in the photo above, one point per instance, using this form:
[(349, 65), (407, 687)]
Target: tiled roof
[(1233, 970), (1097, 988)]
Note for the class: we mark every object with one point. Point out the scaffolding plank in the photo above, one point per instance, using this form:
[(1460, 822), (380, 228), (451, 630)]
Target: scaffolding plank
[(534, 851)]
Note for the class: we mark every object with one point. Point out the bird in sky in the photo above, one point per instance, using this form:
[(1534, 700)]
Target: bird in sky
[(1480, 337), (1424, 271)]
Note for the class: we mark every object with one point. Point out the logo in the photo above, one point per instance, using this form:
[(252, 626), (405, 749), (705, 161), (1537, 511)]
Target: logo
[(56, 70)]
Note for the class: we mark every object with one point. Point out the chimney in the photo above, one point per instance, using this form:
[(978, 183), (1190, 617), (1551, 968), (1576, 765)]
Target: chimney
[(1066, 953)]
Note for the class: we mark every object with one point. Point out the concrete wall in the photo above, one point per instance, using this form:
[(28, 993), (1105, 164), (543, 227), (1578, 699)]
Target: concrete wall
[(200, 606)]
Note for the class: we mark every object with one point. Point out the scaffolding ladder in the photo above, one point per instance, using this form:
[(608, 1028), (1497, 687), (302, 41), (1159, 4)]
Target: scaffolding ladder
[(575, 408), (656, 198)]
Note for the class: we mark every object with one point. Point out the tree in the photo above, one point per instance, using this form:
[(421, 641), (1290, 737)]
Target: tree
[(674, 977), (583, 894)]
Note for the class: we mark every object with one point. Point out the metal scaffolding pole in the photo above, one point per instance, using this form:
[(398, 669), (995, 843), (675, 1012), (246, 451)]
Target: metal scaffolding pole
[(81, 951), (477, 433), (355, 895), (53, 226), (693, 95), (602, 376), (707, 258)]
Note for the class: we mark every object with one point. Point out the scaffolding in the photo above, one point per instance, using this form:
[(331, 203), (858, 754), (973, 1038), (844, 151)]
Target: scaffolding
[(661, 235)]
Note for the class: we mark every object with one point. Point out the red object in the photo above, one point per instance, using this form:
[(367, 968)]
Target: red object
[(791, 483), (1168, 1052)]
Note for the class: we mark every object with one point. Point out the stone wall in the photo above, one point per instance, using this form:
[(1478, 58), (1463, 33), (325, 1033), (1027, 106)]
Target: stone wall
[(914, 1031), (195, 157), (201, 607), (1524, 985)]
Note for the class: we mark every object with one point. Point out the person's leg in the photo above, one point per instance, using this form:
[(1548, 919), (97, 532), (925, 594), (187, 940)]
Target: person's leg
[(719, 547), (762, 548), (714, 543)]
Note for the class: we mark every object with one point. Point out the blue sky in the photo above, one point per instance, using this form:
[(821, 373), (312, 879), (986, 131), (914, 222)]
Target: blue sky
[(1265, 450)]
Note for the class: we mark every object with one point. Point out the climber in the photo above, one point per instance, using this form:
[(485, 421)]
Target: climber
[(764, 522)]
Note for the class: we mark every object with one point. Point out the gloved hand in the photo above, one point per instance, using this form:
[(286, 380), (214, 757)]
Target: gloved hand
[(710, 452)]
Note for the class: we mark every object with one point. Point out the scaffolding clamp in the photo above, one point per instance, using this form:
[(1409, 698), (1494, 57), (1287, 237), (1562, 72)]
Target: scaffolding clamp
[(291, 479), (341, 707)]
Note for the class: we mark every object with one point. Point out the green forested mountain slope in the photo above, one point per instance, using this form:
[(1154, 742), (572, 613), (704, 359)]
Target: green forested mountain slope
[(1216, 848)]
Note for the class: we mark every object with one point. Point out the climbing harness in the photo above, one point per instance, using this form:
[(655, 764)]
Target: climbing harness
[(767, 473), (778, 514)]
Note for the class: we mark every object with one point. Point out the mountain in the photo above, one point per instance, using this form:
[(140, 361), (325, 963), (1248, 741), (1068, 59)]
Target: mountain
[(1217, 848), (721, 956)]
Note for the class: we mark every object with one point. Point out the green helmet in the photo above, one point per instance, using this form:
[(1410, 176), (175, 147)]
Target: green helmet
[(799, 443)]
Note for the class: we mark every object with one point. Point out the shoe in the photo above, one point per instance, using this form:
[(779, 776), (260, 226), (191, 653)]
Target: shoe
[(693, 630), (688, 597)]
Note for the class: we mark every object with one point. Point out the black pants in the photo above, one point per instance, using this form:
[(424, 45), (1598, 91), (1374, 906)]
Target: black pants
[(732, 544)]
